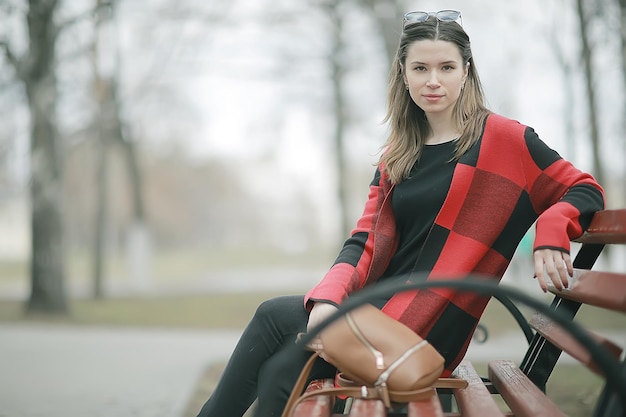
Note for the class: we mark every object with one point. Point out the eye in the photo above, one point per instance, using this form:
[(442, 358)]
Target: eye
[(448, 68), (419, 68)]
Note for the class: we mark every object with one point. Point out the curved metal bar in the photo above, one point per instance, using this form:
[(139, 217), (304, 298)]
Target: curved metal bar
[(475, 283), (517, 315)]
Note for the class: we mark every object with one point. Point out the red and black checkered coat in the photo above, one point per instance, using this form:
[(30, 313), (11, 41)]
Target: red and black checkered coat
[(509, 179)]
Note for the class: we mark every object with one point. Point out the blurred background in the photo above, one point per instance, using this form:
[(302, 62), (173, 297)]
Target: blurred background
[(170, 164), (159, 146)]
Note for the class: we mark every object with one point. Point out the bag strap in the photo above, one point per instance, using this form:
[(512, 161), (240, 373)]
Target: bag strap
[(299, 386), (351, 389), (367, 393), (451, 383)]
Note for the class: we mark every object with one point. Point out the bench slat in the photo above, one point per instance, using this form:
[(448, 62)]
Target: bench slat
[(597, 288), (369, 408), (318, 406), (475, 400), (607, 226), (562, 339), (425, 408), (521, 395)]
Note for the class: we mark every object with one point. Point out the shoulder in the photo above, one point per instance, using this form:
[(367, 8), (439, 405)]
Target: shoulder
[(499, 125), (503, 138), (502, 132)]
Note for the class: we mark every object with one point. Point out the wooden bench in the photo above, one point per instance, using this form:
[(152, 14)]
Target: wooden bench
[(519, 390)]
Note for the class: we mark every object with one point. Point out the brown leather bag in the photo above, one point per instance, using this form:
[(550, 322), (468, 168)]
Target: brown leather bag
[(378, 358)]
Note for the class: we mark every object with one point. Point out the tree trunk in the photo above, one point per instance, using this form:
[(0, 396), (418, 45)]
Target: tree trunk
[(587, 57), (386, 15), (337, 72), (138, 237), (102, 94), (622, 8), (110, 131), (388, 18), (46, 189), (568, 89), (102, 201)]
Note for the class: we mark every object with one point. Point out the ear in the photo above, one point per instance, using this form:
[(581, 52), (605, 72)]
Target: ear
[(466, 71), (404, 79)]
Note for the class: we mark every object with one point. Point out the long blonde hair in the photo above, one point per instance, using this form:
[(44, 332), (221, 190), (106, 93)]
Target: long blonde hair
[(408, 125)]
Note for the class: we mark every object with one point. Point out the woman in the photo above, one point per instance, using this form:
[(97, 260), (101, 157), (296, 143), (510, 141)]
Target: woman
[(455, 190)]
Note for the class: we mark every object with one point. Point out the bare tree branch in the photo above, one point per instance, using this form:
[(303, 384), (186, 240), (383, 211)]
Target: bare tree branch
[(11, 57), (81, 17), (76, 54)]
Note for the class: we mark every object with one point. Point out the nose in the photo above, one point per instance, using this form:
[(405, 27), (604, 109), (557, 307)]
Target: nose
[(433, 80)]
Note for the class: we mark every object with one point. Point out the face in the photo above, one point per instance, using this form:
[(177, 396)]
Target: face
[(435, 74)]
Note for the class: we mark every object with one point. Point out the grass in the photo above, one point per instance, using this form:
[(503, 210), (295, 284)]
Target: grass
[(232, 310), (208, 311)]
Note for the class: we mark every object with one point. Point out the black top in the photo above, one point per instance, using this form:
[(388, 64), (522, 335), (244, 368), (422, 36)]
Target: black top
[(416, 202)]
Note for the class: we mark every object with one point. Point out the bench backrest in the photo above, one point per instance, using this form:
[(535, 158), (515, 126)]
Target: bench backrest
[(606, 290)]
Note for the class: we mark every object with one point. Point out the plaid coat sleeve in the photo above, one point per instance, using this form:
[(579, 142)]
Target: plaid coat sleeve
[(358, 258), (565, 197)]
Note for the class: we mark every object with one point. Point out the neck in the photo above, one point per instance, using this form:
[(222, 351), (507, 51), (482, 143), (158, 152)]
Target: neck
[(442, 130)]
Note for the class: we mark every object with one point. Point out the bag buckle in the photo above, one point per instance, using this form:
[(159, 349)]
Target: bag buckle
[(383, 394), (378, 392)]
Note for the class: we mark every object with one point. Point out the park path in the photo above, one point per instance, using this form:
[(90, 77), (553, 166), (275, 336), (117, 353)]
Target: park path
[(71, 371)]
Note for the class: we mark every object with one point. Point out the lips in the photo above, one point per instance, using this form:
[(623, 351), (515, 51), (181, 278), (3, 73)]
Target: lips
[(432, 97)]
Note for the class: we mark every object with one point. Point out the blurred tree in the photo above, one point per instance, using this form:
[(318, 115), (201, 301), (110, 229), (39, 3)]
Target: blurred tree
[(584, 15), (622, 32), (336, 62), (130, 101), (567, 68), (109, 131), (105, 117), (387, 16), (102, 95), (36, 69), (569, 91)]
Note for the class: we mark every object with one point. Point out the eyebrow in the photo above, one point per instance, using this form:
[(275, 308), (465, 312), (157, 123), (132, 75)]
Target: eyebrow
[(441, 63)]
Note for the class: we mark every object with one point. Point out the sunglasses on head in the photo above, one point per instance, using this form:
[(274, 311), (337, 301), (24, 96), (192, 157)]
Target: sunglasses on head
[(441, 15)]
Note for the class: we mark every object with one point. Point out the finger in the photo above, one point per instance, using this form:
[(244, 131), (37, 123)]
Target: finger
[(539, 270), (561, 280), (315, 344), (568, 263), (552, 263)]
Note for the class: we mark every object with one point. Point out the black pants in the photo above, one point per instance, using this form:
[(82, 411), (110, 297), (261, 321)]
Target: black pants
[(257, 369)]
